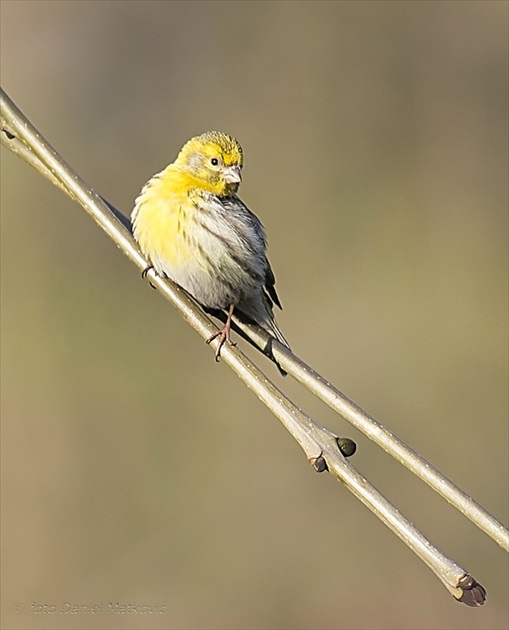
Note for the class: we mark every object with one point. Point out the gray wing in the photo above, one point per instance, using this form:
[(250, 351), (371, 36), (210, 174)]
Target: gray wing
[(270, 288)]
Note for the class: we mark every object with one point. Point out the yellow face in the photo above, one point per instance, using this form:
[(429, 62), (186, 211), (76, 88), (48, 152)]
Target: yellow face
[(214, 160)]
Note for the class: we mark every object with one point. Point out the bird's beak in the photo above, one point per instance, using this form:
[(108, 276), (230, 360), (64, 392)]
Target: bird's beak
[(232, 175)]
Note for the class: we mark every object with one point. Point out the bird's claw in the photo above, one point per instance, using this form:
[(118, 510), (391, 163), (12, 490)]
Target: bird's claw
[(145, 271), (224, 337)]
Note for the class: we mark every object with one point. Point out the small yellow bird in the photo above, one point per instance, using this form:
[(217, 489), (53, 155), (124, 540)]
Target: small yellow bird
[(194, 229)]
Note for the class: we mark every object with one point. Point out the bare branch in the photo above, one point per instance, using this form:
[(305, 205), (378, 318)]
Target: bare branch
[(376, 432), (323, 448)]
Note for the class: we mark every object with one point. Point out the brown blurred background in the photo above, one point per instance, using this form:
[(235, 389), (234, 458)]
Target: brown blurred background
[(135, 469)]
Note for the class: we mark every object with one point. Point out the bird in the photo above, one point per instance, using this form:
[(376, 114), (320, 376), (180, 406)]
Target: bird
[(193, 228)]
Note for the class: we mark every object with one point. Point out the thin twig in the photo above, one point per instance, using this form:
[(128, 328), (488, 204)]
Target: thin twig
[(322, 447), (379, 434)]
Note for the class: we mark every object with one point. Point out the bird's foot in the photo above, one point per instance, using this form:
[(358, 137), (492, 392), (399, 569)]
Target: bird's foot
[(223, 334), (224, 337), (145, 271)]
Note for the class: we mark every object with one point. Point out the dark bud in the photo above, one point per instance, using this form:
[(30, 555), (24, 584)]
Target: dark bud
[(318, 463), (474, 594), (346, 446)]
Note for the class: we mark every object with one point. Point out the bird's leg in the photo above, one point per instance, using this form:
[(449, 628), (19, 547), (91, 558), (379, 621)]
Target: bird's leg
[(223, 334)]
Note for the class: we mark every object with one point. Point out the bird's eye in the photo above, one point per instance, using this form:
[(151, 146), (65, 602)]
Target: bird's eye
[(214, 161)]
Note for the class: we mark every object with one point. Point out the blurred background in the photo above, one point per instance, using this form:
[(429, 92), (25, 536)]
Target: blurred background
[(135, 470)]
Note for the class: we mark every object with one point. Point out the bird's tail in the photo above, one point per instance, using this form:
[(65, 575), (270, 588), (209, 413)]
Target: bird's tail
[(271, 327), (260, 311)]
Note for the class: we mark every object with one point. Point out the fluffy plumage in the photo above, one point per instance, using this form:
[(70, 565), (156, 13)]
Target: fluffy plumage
[(192, 226)]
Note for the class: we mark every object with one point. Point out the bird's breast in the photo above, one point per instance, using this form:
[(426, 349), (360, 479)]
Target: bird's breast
[(211, 252)]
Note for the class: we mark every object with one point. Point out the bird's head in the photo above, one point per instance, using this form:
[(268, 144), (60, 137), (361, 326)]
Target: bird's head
[(215, 160)]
